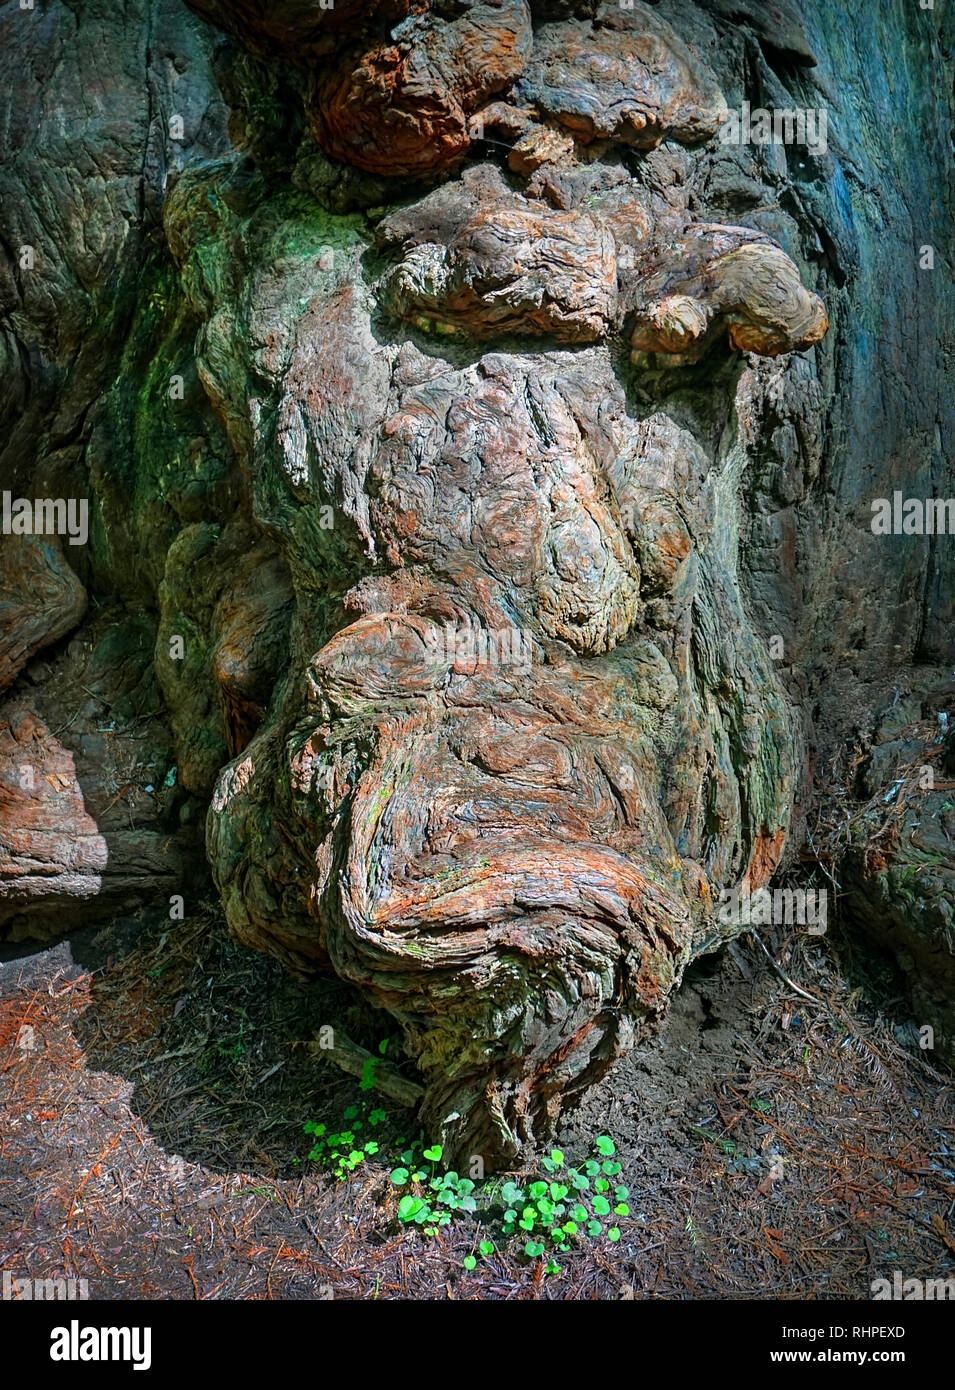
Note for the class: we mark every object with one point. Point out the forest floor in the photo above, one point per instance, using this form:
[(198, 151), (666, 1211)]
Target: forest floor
[(153, 1103)]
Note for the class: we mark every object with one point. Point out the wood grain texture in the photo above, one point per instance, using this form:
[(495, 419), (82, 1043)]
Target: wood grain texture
[(41, 600)]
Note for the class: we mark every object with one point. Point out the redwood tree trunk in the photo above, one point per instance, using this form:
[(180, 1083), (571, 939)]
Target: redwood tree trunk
[(480, 426)]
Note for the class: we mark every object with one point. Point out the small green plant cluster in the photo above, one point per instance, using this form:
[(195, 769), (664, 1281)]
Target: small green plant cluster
[(572, 1205), (342, 1152), (569, 1206), (444, 1193), (726, 1145), (549, 1214), (368, 1071)]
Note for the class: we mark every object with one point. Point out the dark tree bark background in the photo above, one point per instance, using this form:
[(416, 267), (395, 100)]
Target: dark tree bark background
[(360, 326)]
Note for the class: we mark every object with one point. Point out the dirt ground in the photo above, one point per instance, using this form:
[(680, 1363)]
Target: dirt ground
[(776, 1146)]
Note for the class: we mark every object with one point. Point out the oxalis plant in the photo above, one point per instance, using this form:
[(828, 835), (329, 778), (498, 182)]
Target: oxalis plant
[(549, 1214), (552, 1214), (342, 1151)]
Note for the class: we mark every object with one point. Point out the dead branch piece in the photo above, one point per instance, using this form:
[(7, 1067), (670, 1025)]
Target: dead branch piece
[(354, 1059), (782, 974)]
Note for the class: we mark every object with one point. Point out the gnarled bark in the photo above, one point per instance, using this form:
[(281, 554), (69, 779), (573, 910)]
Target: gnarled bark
[(477, 515)]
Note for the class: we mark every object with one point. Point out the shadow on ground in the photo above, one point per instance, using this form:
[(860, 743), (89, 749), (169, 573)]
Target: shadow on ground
[(776, 1143)]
